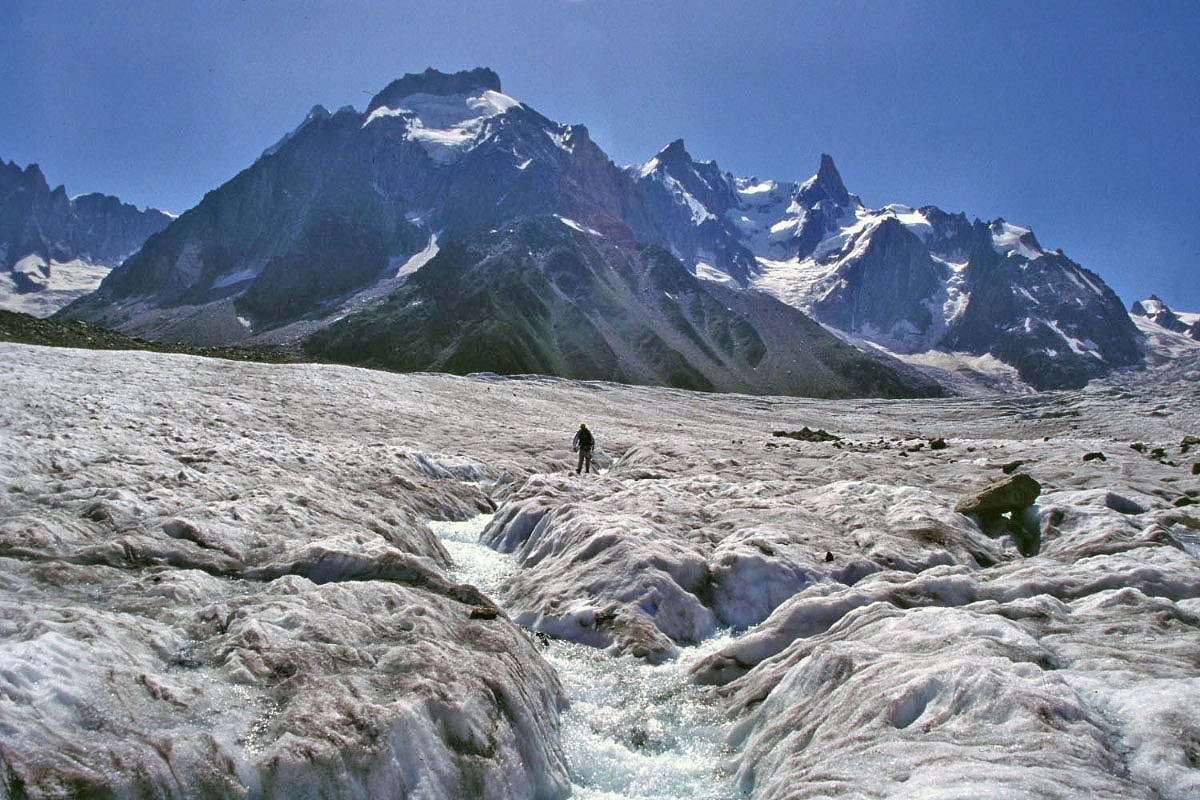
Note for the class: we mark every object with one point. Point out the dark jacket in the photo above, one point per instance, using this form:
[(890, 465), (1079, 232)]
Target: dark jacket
[(583, 440)]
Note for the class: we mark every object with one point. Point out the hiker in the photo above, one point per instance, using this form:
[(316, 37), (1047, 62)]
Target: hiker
[(583, 444)]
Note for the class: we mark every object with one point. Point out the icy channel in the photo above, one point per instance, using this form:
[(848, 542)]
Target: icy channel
[(633, 730)]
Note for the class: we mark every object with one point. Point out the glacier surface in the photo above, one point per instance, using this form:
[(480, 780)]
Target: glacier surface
[(225, 579)]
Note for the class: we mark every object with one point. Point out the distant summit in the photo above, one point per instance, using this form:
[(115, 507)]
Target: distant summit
[(1158, 312), (825, 186), (431, 81), (905, 279), (55, 248)]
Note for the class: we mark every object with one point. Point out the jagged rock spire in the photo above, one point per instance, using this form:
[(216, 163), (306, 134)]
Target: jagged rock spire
[(825, 185)]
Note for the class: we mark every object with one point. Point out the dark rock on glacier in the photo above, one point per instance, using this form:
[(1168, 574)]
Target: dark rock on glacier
[(1011, 494), (806, 434)]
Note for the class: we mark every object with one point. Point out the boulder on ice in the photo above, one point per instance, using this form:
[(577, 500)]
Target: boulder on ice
[(1013, 494)]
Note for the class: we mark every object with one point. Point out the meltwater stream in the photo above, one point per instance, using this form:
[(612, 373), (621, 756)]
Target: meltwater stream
[(633, 730)]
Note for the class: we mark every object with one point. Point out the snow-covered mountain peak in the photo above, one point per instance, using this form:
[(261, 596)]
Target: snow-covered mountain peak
[(1158, 312), (700, 186), (446, 112), (1149, 307), (473, 82), (672, 159), (1010, 240), (445, 125), (675, 162)]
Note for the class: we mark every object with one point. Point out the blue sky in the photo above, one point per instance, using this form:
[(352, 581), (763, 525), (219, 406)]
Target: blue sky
[(1078, 119)]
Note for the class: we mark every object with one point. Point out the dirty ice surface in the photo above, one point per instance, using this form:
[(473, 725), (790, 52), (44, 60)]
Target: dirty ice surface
[(224, 580)]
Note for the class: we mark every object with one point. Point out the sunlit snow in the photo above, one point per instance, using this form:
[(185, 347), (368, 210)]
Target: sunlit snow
[(418, 259), (445, 125), (708, 272), (575, 226), (1009, 239), (58, 283)]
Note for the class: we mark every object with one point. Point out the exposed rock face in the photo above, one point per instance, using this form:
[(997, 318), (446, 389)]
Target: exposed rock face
[(1058, 323), (698, 233), (345, 202), (433, 82), (541, 296), (890, 293), (824, 187), (60, 247), (341, 211)]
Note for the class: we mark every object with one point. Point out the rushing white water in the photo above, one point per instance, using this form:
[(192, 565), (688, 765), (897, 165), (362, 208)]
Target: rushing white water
[(633, 730)]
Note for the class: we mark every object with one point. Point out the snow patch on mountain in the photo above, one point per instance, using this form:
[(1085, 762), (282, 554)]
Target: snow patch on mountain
[(708, 272), (234, 278), (35, 286), (794, 281), (1009, 240), (446, 125), (576, 226), (418, 260)]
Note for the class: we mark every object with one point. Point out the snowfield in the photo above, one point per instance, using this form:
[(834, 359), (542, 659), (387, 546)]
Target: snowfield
[(224, 579), (58, 283)]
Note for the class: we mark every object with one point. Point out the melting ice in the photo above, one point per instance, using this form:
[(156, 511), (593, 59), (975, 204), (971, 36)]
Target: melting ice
[(217, 578), (633, 730)]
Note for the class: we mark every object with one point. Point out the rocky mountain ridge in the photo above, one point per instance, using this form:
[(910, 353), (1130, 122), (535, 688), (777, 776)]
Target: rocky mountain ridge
[(1158, 312), (910, 280), (347, 207), (546, 295), (54, 248)]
